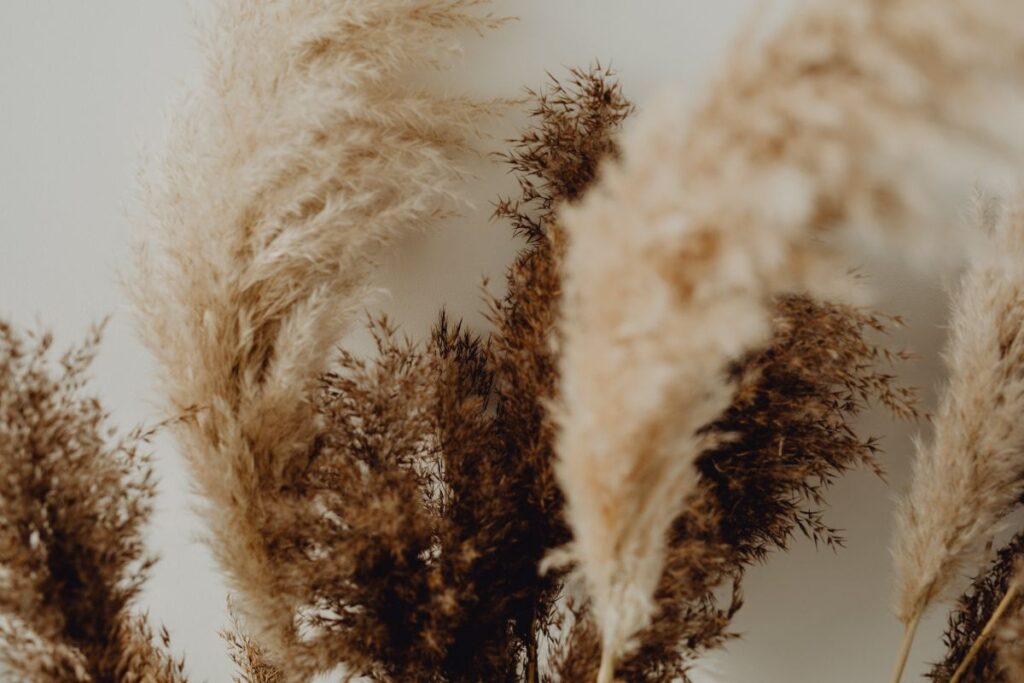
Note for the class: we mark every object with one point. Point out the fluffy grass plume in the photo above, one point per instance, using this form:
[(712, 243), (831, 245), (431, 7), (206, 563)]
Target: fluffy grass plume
[(307, 147), (972, 473), (791, 427), (676, 253), (73, 507)]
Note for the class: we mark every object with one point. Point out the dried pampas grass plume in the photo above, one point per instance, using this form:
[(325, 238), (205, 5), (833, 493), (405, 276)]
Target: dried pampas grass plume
[(73, 508), (676, 253), (972, 474), (305, 150), (1008, 633)]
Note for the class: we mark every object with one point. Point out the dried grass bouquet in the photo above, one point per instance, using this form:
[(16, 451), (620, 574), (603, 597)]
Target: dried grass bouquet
[(665, 393)]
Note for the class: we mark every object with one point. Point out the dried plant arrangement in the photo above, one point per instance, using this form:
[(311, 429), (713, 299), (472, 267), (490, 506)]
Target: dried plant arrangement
[(972, 474), (74, 502), (667, 391), (670, 270)]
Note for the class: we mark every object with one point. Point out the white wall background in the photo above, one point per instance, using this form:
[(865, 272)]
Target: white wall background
[(82, 90)]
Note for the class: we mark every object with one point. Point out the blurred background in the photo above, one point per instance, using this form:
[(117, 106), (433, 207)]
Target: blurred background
[(83, 91)]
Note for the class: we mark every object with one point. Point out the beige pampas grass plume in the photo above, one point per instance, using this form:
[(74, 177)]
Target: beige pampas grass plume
[(639, 381), (856, 115), (972, 473), (307, 147)]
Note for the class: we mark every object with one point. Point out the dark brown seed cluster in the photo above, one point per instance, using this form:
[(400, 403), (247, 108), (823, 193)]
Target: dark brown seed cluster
[(972, 612)]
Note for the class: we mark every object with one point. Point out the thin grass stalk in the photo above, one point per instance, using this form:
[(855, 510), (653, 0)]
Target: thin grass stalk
[(909, 632), (990, 626)]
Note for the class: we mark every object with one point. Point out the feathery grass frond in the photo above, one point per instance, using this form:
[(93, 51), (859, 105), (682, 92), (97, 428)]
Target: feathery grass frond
[(678, 250), (790, 431), (972, 473), (454, 439), (574, 123), (406, 472), (787, 436), (249, 658), (305, 150), (74, 502)]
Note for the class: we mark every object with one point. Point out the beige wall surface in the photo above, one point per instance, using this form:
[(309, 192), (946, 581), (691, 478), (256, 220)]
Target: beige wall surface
[(83, 88)]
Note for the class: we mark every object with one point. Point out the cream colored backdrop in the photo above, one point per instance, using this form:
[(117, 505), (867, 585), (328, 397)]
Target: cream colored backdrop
[(82, 90)]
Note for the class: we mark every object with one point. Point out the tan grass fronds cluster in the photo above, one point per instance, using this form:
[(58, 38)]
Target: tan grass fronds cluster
[(307, 148), (74, 503), (676, 253), (668, 391), (972, 473)]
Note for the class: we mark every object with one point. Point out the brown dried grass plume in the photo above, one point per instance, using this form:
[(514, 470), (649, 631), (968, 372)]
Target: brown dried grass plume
[(434, 480), (74, 502)]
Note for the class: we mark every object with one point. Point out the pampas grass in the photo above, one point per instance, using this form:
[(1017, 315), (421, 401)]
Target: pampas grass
[(249, 658), (791, 435), (972, 473), (676, 252), (74, 503), (667, 392), (306, 148)]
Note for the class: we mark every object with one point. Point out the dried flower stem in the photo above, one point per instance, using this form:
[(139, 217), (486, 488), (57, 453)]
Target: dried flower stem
[(976, 646), (908, 642), (606, 674)]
